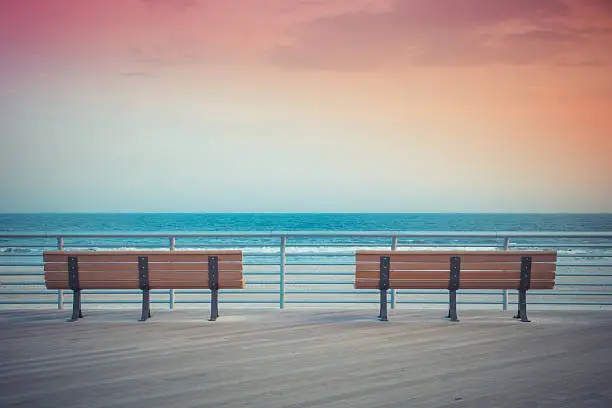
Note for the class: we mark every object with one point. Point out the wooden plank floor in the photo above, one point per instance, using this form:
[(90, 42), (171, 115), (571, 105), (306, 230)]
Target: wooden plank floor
[(305, 358)]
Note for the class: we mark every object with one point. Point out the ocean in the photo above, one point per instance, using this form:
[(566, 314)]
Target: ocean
[(157, 222)]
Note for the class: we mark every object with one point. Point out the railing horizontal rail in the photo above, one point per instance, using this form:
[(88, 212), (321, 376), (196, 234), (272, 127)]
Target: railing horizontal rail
[(273, 282), (22, 283), (584, 256), (563, 246), (232, 246), (274, 301), (271, 291), (51, 246), (21, 264), (17, 255), (22, 273), (584, 274), (569, 303), (326, 273), (586, 265), (315, 234), (27, 302)]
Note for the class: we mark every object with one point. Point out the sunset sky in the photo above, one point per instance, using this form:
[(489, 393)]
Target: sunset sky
[(312, 105)]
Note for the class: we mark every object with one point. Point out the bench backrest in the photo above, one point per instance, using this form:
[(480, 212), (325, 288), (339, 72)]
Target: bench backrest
[(166, 269), (478, 269)]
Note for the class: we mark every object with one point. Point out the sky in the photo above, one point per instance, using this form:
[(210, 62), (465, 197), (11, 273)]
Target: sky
[(306, 106)]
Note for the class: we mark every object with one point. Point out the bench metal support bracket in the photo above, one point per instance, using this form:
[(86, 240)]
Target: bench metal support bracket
[(73, 283), (213, 285), (524, 286), (383, 286), (453, 285), (143, 283)]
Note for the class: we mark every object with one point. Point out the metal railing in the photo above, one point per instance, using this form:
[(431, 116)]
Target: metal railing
[(309, 268)]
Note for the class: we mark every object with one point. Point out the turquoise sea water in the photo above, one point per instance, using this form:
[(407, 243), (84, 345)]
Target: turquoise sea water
[(137, 222)]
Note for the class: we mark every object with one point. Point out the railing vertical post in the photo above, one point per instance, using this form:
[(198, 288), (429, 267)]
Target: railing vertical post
[(60, 292), (171, 291), (505, 292), (283, 259), (393, 299)]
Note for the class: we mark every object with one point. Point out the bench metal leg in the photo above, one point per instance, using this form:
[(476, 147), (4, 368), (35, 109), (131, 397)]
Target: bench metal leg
[(73, 283), (383, 306), (384, 285), (143, 284), (214, 305), (76, 306), (522, 307), (146, 305), (452, 306)]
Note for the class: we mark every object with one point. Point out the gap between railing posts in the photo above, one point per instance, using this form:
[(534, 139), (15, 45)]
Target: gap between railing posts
[(60, 292), (393, 294), (505, 292), (283, 259), (171, 291)]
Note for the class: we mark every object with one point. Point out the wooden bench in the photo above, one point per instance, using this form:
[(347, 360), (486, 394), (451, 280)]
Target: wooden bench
[(452, 270), (78, 270)]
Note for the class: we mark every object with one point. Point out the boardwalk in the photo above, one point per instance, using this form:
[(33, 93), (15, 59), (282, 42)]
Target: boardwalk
[(305, 358)]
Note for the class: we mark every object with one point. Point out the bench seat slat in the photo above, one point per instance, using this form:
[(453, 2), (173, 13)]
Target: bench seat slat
[(168, 278), (443, 284), (133, 266), (472, 275), (130, 284), (478, 266), (165, 275), (100, 275), (231, 284), (191, 276), (132, 256), (124, 284), (466, 256)]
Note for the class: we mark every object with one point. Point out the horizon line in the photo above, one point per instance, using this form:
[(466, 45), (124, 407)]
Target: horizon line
[(305, 212)]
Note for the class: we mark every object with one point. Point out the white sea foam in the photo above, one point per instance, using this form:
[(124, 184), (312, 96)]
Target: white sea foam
[(306, 250)]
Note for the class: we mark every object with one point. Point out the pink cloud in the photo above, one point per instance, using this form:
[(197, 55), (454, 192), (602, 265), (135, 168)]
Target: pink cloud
[(142, 35), (439, 32)]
